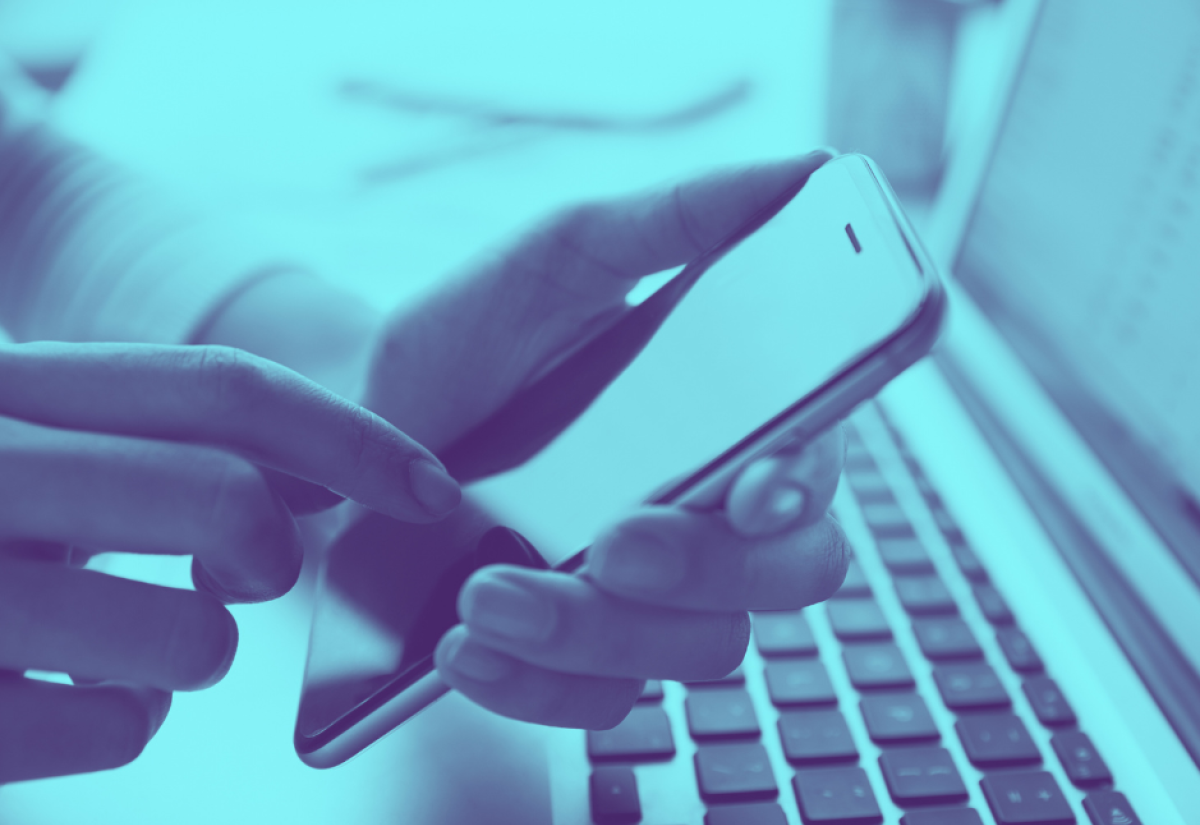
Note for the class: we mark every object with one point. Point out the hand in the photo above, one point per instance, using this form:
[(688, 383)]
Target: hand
[(147, 449), (448, 362), (662, 595)]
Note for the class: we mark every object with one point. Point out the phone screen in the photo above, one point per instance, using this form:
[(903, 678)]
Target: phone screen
[(824, 281)]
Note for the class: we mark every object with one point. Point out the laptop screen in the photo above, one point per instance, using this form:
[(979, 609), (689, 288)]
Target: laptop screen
[(1084, 244)]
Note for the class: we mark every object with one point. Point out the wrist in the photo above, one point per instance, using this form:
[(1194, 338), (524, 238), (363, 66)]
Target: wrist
[(297, 319)]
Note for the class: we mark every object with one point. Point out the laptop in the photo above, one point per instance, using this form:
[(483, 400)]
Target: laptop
[(1016, 639)]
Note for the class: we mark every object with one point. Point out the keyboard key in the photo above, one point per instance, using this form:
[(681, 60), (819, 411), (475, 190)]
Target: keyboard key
[(739, 772), (922, 776), (735, 677), (1018, 650), (870, 487), (854, 585), (968, 563), (783, 633), (1048, 703), (1031, 798), (886, 520), (855, 619), (614, 795), (837, 795), (720, 713), (799, 682), (970, 686), (873, 666), (926, 489), (997, 740), (644, 736), (948, 638), (946, 523), (816, 736), (898, 717), (904, 556), (754, 813), (859, 462), (1110, 808), (652, 692), (924, 596), (1080, 760), (945, 816), (994, 608)]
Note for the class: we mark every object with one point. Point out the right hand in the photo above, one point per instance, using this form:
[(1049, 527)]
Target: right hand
[(154, 449)]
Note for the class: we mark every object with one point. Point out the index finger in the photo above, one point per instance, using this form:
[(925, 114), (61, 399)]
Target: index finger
[(232, 399), (595, 253)]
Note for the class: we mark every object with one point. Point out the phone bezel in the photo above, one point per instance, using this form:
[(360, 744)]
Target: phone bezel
[(857, 381)]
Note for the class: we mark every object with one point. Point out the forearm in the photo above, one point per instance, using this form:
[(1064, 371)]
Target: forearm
[(89, 252)]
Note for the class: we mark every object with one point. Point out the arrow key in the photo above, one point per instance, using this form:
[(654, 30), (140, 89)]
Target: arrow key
[(614, 796), (1026, 798), (837, 795), (1080, 760), (1110, 808)]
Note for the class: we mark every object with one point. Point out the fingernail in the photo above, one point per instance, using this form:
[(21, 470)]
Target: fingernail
[(478, 662), (786, 502), (433, 487), (637, 561), (781, 506), (205, 583), (509, 610)]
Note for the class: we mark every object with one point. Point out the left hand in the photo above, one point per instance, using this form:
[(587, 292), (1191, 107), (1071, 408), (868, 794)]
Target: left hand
[(665, 593)]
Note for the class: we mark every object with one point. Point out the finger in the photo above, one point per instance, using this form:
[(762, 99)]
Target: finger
[(520, 690), (49, 729), (557, 288), (34, 550), (228, 398), (302, 497), (789, 489), (565, 623), (118, 493), (695, 561), (595, 253), (99, 627)]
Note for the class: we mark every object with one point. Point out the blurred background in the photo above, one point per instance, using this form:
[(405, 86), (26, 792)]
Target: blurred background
[(385, 142)]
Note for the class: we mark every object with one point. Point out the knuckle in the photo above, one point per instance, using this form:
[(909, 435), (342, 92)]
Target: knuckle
[(251, 526), (832, 559), (363, 432), (241, 507), (124, 726), (230, 379), (685, 214), (730, 645), (197, 640)]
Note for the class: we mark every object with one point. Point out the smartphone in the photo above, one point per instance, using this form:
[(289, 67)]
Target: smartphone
[(762, 342)]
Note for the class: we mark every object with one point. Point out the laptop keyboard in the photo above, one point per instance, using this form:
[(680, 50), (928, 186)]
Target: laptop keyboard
[(881, 704)]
